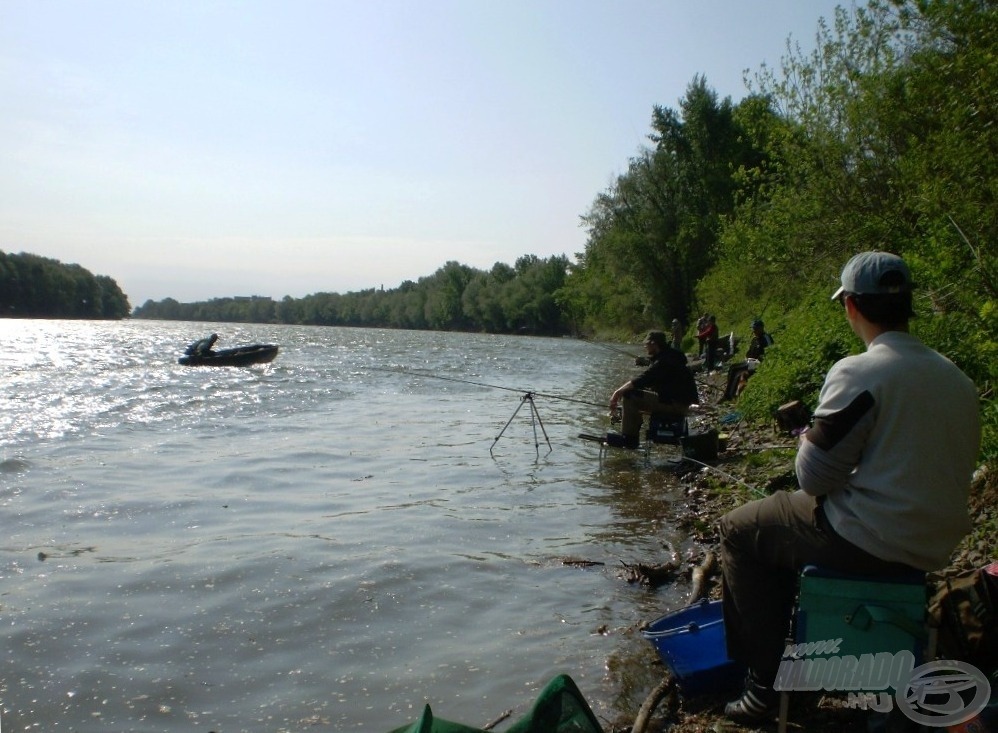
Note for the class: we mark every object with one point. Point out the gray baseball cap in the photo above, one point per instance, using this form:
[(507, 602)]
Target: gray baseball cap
[(875, 273)]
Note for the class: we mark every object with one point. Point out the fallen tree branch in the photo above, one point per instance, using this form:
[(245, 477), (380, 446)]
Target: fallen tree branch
[(497, 721), (650, 575), (651, 702)]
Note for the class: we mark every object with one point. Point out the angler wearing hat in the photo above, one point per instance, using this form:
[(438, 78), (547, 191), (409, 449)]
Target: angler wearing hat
[(666, 386), (884, 474)]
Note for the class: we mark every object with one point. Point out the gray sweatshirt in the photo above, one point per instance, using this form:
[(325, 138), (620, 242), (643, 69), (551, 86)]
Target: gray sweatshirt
[(892, 450)]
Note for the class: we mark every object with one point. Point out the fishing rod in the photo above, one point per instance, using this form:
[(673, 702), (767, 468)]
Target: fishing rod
[(526, 398), (614, 349), (414, 373), (734, 478), (633, 356)]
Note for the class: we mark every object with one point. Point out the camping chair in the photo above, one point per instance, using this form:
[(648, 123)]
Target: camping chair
[(665, 429), (870, 615)]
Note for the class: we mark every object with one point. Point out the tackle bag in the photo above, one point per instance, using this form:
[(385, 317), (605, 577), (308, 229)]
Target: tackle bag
[(560, 708), (964, 610)]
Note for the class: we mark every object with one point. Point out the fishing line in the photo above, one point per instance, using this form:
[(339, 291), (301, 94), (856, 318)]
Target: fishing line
[(727, 475), (633, 356), (413, 373), (613, 348)]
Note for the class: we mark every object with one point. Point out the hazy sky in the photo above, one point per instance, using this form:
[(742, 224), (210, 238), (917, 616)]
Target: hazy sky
[(199, 148)]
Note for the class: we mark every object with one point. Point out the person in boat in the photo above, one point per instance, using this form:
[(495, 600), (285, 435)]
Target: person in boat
[(202, 347), (738, 374), (884, 472), (667, 386)]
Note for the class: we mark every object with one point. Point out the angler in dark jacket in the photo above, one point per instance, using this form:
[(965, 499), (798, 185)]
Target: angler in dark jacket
[(760, 340), (667, 386)]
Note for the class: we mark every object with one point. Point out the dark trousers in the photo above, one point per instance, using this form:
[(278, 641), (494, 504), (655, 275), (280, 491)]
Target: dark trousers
[(712, 359), (764, 545), (636, 402)]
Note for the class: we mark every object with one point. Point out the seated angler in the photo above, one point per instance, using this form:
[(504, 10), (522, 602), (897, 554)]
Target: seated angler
[(666, 386), (760, 340), (739, 373), (884, 473)]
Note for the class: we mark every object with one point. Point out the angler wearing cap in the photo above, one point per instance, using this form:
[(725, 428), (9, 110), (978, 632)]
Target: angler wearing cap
[(760, 340), (666, 386), (884, 471), (738, 374)]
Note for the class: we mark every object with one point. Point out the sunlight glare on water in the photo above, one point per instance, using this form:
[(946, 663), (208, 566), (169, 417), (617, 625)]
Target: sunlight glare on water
[(321, 543)]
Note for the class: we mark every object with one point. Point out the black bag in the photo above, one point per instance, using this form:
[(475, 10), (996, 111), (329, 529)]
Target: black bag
[(793, 416), (964, 610)]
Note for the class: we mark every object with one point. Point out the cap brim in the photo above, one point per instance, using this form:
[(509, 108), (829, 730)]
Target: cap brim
[(838, 293)]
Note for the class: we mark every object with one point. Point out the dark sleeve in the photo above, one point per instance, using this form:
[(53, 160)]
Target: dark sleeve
[(832, 448), (830, 429), (648, 377)]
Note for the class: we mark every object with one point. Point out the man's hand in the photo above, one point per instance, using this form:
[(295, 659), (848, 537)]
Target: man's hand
[(618, 393)]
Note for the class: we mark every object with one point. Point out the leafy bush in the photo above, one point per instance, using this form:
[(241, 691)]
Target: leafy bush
[(816, 335), (971, 344)]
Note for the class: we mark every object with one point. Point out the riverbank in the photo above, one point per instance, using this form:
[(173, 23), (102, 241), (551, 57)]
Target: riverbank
[(757, 461)]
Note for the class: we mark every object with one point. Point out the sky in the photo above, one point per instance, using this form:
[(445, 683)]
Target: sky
[(199, 149)]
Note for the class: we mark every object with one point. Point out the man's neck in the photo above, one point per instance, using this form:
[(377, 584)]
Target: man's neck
[(873, 330)]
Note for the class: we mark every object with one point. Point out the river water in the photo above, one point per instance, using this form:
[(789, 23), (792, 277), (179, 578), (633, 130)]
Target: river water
[(322, 543)]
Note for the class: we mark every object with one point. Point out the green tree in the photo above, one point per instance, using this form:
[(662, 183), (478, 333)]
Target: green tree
[(656, 230), (40, 287), (888, 141), (444, 291)]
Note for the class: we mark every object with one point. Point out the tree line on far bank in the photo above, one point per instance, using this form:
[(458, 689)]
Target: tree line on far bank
[(884, 137), (506, 299), (39, 287)]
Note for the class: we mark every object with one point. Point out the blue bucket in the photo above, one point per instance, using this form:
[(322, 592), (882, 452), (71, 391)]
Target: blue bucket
[(690, 642)]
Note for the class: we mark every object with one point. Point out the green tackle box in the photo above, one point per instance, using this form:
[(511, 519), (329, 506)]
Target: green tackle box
[(870, 615)]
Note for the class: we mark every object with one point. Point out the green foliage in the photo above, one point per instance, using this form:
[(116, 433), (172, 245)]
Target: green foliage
[(654, 233), (888, 140), (523, 299), (884, 137), (972, 345), (816, 335), (738, 295), (769, 458), (39, 287)]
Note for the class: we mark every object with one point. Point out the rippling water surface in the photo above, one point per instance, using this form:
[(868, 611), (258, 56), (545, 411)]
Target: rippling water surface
[(321, 543)]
